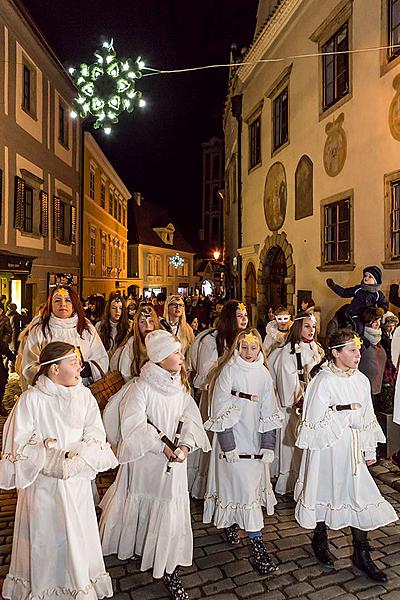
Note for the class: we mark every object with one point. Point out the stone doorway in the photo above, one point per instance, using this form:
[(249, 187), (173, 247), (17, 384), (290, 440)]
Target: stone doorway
[(276, 274)]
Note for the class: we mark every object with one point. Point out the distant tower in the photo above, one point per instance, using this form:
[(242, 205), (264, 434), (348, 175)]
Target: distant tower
[(212, 214)]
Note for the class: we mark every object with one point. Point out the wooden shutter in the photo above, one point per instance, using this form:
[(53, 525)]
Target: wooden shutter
[(44, 213), (1, 195), (56, 217), (73, 225), (19, 203)]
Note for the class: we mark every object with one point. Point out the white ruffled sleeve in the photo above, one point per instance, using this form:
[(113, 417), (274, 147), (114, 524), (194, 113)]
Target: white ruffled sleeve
[(23, 453), (112, 415), (193, 433), (207, 357), (225, 409), (30, 354), (270, 415), (320, 427), (96, 353), (370, 432), (125, 360)]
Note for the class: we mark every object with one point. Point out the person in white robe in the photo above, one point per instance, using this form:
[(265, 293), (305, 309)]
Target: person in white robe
[(277, 330), (63, 319), (244, 416), (146, 511), (338, 435), (291, 366), (54, 444), (204, 353), (114, 326)]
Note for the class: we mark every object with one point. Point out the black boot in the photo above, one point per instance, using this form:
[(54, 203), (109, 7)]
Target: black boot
[(320, 544), (232, 534), (362, 557), (174, 586), (262, 561)]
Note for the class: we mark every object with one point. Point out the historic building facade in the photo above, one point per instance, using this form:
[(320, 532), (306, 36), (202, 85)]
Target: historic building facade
[(39, 164), (312, 151), (105, 224)]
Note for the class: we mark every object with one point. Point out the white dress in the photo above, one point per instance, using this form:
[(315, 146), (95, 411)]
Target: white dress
[(289, 390), (273, 337), (125, 360), (147, 511), (236, 492), (334, 483), (56, 547), (395, 348), (62, 330)]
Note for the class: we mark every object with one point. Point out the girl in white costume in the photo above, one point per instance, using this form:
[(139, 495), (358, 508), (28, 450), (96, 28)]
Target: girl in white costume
[(54, 443), (291, 367), (335, 488), (204, 353), (147, 511), (114, 327), (238, 484), (175, 321), (277, 330), (63, 319)]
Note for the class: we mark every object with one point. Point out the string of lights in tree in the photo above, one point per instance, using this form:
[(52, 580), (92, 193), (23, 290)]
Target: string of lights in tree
[(107, 87), (177, 260)]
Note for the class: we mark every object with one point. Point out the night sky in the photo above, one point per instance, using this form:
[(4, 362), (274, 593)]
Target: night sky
[(157, 150)]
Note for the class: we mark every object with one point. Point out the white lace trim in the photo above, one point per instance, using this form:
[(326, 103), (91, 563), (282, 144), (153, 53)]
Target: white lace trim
[(237, 505), (57, 590), (315, 425), (102, 445), (278, 416), (226, 414), (337, 508), (33, 441)]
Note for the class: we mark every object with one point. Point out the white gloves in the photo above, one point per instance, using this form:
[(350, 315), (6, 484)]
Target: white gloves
[(267, 455), (72, 466), (59, 467), (232, 456)]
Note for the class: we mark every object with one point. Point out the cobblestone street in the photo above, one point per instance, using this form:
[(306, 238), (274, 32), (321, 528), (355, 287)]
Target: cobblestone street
[(224, 573)]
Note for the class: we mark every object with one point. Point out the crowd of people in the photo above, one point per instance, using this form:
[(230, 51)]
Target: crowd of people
[(207, 406)]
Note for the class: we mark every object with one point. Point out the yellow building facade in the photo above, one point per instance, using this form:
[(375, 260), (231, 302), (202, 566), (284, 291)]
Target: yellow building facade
[(105, 218)]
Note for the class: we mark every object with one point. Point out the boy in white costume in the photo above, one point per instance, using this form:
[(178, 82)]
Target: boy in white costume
[(54, 443), (146, 511), (291, 366), (244, 415), (339, 434)]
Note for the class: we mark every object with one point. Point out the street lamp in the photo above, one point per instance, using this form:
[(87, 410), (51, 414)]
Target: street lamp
[(217, 254)]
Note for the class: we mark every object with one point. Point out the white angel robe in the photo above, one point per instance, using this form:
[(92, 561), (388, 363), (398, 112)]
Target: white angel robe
[(147, 511), (236, 492), (62, 330), (334, 483), (395, 348), (289, 390), (56, 547), (274, 338), (125, 360)]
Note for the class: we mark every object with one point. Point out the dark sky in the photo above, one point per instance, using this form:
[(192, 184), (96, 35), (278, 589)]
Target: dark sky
[(157, 150)]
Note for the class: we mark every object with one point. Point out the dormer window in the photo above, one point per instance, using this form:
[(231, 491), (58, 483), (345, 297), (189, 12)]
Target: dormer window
[(166, 234)]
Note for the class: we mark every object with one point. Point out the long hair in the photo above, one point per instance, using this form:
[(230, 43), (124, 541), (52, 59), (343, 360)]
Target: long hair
[(83, 323), (99, 303), (341, 336), (105, 325), (223, 360), (138, 346), (185, 332), (227, 328), (51, 352), (294, 336)]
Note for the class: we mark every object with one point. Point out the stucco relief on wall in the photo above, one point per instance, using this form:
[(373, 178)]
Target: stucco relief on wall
[(304, 188), (394, 110), (275, 196), (335, 149)]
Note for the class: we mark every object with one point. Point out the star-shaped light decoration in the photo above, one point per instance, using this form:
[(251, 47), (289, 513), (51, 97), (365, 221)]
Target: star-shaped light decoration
[(250, 338), (241, 306), (177, 260), (106, 88)]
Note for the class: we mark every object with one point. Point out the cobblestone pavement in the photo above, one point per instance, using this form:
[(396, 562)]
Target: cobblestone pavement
[(221, 572)]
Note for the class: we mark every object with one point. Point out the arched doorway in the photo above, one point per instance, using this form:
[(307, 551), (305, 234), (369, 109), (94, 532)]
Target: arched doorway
[(250, 291), (274, 275)]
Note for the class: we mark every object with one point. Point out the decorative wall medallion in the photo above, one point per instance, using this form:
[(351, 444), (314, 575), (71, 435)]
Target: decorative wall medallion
[(394, 110), (335, 150), (304, 188), (275, 196)]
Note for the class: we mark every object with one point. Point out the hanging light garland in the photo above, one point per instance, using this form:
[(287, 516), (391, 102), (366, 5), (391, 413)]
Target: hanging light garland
[(177, 260), (106, 88)]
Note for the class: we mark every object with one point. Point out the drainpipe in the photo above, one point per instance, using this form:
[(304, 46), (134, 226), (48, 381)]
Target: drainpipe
[(236, 108)]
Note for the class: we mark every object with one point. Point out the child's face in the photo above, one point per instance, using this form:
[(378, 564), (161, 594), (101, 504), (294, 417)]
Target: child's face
[(368, 279), (347, 357), (145, 324), (67, 372), (241, 318), (248, 351), (173, 363), (308, 330), (283, 321)]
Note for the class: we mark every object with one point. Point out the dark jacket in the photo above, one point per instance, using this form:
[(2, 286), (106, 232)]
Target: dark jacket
[(361, 298)]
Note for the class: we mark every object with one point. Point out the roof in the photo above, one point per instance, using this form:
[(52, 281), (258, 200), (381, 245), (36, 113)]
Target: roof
[(141, 221)]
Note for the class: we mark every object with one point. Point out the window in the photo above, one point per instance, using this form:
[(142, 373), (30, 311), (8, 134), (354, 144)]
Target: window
[(170, 268), (103, 195), (281, 119), (26, 96), (150, 265), (92, 246), (111, 202), (335, 67), (62, 125), (123, 216), (31, 205), (337, 247), (28, 100), (255, 142), (395, 219), (64, 221), (111, 255), (28, 210), (103, 254), (92, 181), (158, 266), (393, 29), (119, 210), (115, 208)]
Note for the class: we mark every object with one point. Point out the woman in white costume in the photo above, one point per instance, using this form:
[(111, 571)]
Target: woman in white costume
[(114, 327), (204, 353), (147, 510), (244, 415), (63, 319), (54, 444), (291, 368), (175, 321), (339, 434)]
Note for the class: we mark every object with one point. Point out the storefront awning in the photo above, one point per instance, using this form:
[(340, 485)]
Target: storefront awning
[(15, 263)]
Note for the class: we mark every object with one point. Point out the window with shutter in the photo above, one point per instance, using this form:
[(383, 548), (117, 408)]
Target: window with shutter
[(1, 195), (56, 217), (19, 203), (73, 225), (44, 213)]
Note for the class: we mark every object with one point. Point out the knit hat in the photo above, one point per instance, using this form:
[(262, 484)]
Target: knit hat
[(160, 344), (390, 318), (375, 272)]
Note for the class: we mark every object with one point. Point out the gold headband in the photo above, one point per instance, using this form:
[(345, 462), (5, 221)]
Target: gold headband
[(357, 341), (250, 338), (61, 292)]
